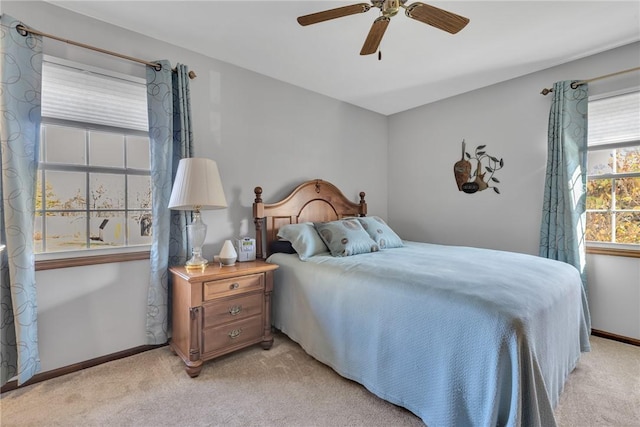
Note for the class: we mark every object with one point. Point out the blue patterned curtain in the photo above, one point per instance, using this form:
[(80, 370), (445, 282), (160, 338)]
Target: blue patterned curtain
[(562, 231), (21, 76), (169, 103)]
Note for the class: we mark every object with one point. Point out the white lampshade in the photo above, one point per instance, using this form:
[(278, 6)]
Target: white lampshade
[(197, 186)]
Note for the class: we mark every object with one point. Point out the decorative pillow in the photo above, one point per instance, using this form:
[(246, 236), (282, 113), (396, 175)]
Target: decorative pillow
[(304, 238), (380, 232), (281, 246), (345, 237)]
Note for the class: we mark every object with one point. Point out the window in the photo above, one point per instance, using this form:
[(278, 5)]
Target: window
[(94, 185), (613, 177)]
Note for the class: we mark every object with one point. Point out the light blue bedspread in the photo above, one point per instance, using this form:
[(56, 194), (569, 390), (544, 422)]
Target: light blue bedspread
[(460, 336)]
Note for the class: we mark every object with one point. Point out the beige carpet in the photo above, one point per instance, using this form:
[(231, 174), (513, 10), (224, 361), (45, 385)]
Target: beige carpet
[(283, 387)]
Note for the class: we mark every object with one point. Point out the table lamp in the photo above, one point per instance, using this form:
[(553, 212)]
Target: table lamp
[(197, 187)]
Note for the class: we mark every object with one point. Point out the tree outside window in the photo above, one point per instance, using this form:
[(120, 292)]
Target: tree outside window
[(613, 178)]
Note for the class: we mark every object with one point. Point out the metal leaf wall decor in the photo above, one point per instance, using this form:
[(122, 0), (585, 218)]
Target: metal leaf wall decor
[(478, 180)]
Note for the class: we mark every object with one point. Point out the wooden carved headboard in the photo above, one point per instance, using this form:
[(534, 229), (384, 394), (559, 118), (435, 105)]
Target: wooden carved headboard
[(311, 201)]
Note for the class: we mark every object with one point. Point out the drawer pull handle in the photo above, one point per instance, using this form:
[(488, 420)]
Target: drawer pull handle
[(235, 310), (234, 286), (235, 333)]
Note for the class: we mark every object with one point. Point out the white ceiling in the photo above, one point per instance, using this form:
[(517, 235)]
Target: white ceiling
[(420, 64)]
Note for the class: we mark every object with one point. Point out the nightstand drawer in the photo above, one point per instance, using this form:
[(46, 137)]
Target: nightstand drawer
[(224, 287), (231, 309), (232, 334)]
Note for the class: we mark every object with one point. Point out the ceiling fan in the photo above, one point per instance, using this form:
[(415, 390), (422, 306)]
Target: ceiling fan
[(430, 15)]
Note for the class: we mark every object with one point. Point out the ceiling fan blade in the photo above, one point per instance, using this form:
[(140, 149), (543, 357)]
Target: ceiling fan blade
[(375, 35), (436, 17), (338, 12)]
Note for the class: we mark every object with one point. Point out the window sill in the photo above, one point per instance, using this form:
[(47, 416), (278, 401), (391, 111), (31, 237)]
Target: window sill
[(142, 255), (600, 250), (51, 264)]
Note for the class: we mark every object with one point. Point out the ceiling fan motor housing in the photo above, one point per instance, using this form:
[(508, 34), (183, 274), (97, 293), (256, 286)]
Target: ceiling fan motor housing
[(390, 7)]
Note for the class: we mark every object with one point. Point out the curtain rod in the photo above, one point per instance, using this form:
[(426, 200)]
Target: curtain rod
[(23, 30), (574, 85)]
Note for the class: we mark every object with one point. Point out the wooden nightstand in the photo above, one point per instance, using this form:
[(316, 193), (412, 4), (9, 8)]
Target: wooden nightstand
[(220, 310)]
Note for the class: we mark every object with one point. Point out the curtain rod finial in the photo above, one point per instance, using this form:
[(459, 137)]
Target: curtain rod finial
[(192, 75), (546, 91)]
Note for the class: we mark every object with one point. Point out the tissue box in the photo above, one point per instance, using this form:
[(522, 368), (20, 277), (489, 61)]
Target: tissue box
[(246, 248)]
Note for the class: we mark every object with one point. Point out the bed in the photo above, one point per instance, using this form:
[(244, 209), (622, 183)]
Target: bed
[(460, 336)]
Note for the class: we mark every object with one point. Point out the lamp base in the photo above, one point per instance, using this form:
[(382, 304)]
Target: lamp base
[(196, 262), (197, 231)]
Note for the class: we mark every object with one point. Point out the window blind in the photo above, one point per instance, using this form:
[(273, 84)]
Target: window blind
[(88, 96), (614, 119)]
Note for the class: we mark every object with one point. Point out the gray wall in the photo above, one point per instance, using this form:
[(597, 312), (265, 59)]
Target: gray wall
[(511, 119), (259, 130), (268, 133)]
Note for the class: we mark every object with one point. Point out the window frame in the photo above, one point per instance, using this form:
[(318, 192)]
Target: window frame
[(91, 256), (613, 248)]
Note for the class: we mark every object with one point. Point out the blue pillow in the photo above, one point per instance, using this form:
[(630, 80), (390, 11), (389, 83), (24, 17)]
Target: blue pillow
[(304, 239), (346, 237), (380, 232)]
